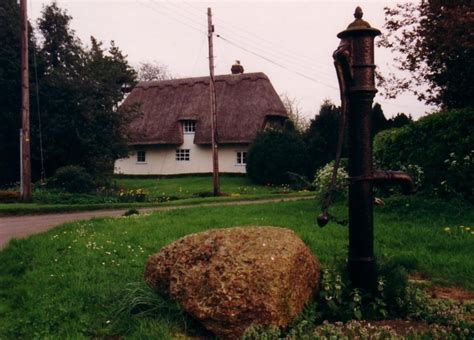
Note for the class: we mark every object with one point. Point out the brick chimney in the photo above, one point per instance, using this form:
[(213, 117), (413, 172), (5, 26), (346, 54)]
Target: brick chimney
[(237, 68)]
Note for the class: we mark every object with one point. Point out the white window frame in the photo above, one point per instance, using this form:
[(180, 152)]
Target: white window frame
[(189, 127), (141, 153), (241, 158), (183, 155)]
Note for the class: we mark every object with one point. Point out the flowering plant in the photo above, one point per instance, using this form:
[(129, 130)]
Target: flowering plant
[(322, 181), (132, 195)]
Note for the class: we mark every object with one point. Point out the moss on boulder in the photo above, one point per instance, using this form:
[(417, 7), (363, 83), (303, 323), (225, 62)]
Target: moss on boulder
[(229, 279)]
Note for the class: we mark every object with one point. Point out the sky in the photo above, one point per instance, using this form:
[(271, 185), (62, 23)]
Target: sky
[(290, 41)]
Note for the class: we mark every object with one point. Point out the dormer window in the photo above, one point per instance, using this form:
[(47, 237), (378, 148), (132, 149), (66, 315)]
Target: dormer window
[(274, 122), (189, 126)]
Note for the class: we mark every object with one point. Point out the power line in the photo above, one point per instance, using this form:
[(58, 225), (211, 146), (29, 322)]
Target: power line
[(253, 52), (275, 62), (239, 45), (301, 68), (198, 55), (165, 5), (304, 67), (251, 35), (263, 51), (275, 48), (181, 14), (283, 50), (171, 17)]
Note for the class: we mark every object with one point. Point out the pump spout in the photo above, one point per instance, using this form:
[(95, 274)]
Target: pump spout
[(397, 177)]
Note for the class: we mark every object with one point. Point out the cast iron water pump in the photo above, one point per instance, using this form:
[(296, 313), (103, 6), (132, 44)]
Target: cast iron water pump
[(354, 61)]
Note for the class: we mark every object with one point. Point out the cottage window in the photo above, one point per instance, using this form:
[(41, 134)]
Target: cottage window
[(241, 157), (182, 154), (141, 156), (189, 126)]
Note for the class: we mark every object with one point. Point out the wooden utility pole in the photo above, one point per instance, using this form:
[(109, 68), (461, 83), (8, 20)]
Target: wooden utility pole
[(25, 107), (213, 107)]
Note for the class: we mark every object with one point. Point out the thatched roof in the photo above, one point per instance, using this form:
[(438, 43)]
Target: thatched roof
[(244, 102)]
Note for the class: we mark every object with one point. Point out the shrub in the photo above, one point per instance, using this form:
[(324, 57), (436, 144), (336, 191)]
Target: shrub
[(275, 153), (203, 194), (393, 298), (322, 180), (441, 144), (71, 178), (132, 195), (7, 196)]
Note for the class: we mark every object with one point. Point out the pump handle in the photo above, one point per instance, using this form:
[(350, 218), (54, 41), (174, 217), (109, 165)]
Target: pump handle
[(342, 64)]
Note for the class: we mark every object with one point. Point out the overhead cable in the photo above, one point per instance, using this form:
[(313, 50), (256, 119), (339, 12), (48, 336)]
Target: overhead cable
[(275, 62)]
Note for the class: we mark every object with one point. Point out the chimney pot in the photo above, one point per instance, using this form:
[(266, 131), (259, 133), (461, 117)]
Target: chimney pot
[(237, 68)]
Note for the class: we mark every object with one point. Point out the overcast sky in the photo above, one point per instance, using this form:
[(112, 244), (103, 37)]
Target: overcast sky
[(290, 41)]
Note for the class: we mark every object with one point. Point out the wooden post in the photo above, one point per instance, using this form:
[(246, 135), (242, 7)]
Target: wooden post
[(213, 108), (25, 107)]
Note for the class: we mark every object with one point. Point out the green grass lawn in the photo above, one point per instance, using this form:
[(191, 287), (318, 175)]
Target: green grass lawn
[(68, 282), (159, 191), (189, 186)]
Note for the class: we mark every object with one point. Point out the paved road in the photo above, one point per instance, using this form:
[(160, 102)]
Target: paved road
[(22, 226)]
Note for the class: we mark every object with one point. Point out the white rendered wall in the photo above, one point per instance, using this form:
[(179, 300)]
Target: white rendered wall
[(161, 160)]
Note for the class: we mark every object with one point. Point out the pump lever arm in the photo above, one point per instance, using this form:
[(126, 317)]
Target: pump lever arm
[(342, 64)]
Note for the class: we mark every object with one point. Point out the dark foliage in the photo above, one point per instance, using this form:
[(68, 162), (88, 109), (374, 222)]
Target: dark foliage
[(275, 153), (71, 178), (433, 41), (441, 143), (399, 120), (79, 91), (379, 122), (7, 196), (10, 98), (321, 136)]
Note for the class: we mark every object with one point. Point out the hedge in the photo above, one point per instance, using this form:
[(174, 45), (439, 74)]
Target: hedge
[(442, 144)]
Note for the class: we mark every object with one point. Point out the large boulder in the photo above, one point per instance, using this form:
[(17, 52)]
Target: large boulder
[(229, 279)]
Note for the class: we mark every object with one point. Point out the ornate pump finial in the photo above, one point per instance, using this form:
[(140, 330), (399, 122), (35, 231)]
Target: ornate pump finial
[(358, 25)]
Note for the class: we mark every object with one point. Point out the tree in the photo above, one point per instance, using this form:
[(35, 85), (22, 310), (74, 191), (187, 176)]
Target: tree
[(322, 135), (379, 122), (273, 154), (148, 71), (10, 84), (295, 114), (80, 92), (399, 120), (434, 43), (61, 50)]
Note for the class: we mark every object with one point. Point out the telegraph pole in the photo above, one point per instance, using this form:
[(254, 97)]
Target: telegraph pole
[(25, 107), (213, 107)]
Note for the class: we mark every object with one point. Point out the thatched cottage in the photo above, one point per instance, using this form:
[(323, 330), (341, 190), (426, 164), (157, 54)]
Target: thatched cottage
[(172, 135)]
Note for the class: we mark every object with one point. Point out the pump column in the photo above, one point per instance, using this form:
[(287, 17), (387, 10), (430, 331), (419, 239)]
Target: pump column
[(360, 93)]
